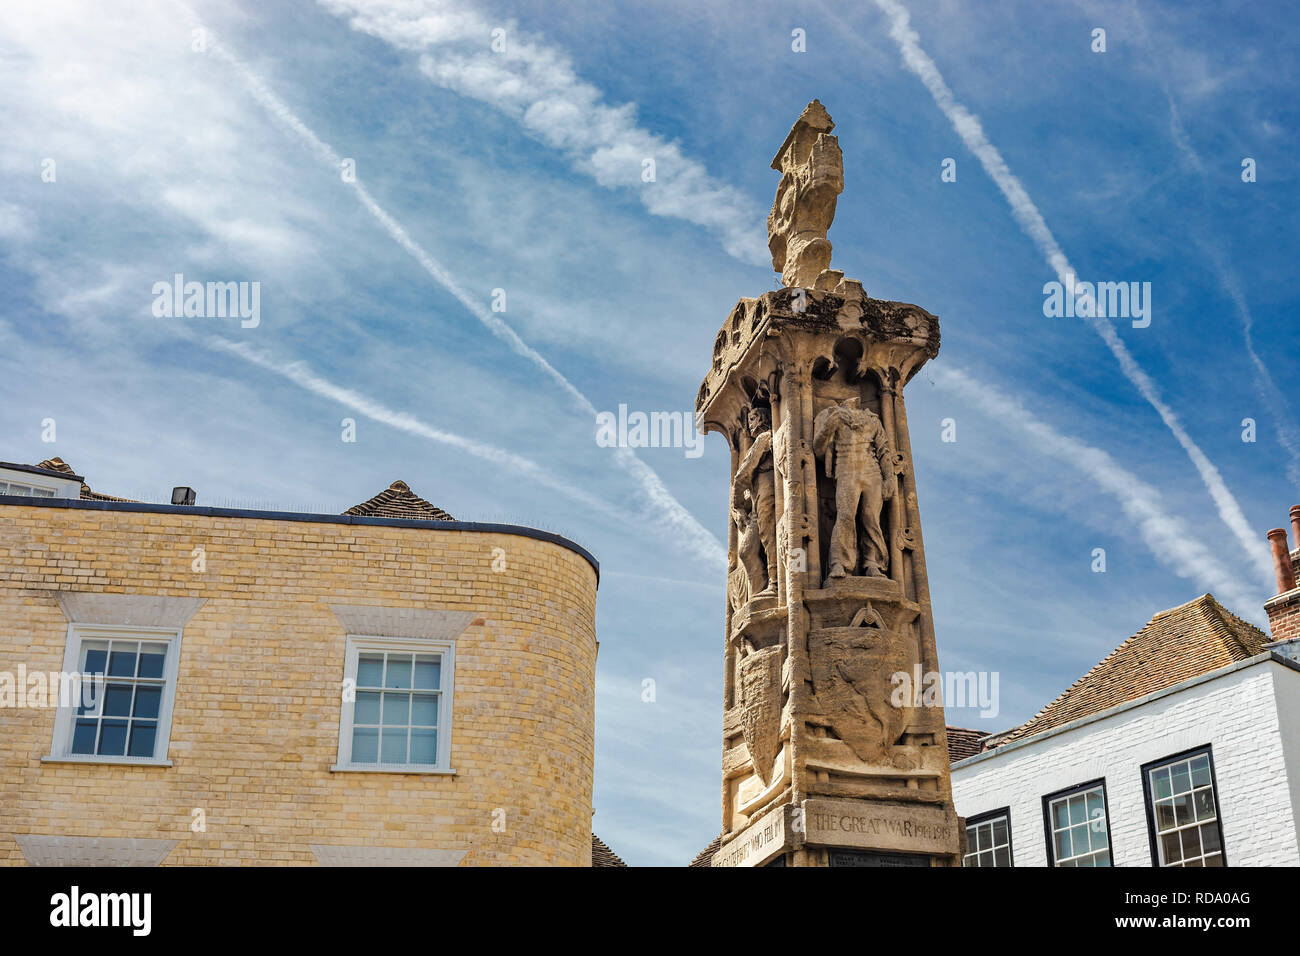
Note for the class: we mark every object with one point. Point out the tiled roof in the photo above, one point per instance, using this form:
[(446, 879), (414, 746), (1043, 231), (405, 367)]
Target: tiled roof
[(705, 856), (57, 464), (1175, 645), (964, 742), (399, 501), (601, 855), (61, 466)]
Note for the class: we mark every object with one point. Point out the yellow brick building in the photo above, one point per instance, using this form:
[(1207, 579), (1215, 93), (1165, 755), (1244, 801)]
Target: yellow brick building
[(387, 686)]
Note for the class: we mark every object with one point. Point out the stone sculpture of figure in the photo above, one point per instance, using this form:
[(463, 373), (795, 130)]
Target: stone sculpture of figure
[(858, 456), (753, 506), (812, 177)]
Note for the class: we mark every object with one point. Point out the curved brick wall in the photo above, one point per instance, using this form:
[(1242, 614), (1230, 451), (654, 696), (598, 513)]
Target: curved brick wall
[(256, 721)]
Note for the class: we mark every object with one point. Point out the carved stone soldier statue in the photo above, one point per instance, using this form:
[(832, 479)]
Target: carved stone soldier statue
[(853, 443), (753, 506)]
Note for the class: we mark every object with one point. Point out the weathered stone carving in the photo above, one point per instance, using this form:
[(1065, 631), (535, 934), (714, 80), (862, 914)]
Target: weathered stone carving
[(856, 451), (867, 616), (852, 669), (827, 586), (753, 506), (760, 698), (737, 588), (812, 177)]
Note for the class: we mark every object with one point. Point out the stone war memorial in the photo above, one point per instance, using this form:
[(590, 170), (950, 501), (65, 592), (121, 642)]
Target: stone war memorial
[(824, 763)]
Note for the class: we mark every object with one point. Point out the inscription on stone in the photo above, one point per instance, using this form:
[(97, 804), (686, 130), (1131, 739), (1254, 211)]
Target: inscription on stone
[(758, 842), (848, 823), (868, 858)]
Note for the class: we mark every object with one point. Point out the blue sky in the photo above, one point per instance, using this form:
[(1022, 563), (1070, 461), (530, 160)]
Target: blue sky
[(522, 171)]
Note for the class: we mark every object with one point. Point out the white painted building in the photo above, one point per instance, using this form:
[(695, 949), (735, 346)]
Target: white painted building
[(1181, 748), (38, 481), (1244, 717)]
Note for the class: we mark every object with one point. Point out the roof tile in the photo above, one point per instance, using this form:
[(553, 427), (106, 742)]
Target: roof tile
[(705, 856), (964, 742), (398, 501), (1175, 645), (59, 465), (601, 855)]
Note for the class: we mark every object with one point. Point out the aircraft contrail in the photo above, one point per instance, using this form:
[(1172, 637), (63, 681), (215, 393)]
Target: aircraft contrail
[(1288, 432), (534, 82), (301, 374), (698, 539), (1031, 222), (1168, 538)]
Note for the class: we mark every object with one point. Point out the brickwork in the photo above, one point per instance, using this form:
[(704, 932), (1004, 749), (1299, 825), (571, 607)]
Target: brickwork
[(1284, 615), (256, 719)]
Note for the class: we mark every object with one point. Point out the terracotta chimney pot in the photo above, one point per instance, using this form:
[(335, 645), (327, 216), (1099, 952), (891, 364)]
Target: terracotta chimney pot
[(1282, 558)]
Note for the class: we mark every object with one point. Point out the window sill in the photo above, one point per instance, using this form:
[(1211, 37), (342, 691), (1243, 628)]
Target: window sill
[(111, 761), (371, 768)]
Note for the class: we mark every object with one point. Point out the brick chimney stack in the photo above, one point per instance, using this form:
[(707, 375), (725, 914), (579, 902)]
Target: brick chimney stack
[(1284, 609)]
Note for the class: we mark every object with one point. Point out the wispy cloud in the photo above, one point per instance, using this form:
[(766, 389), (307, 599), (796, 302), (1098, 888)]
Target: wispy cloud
[(1031, 222), (1168, 538), (535, 83), (301, 375), (1287, 429), (1288, 433), (677, 520), (15, 224), (654, 804), (331, 158)]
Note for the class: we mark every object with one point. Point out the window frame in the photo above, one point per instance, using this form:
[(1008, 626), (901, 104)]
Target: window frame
[(59, 487), (988, 817), (1208, 751), (358, 643), (1048, 830), (8, 489), (78, 633)]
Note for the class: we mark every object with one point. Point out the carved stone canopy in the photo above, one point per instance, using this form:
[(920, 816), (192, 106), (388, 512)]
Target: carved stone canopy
[(895, 338)]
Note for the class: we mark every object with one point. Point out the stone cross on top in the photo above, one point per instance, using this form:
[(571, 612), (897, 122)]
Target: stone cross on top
[(812, 177)]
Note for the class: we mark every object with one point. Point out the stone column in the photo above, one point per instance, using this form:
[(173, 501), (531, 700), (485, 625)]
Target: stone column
[(814, 735)]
